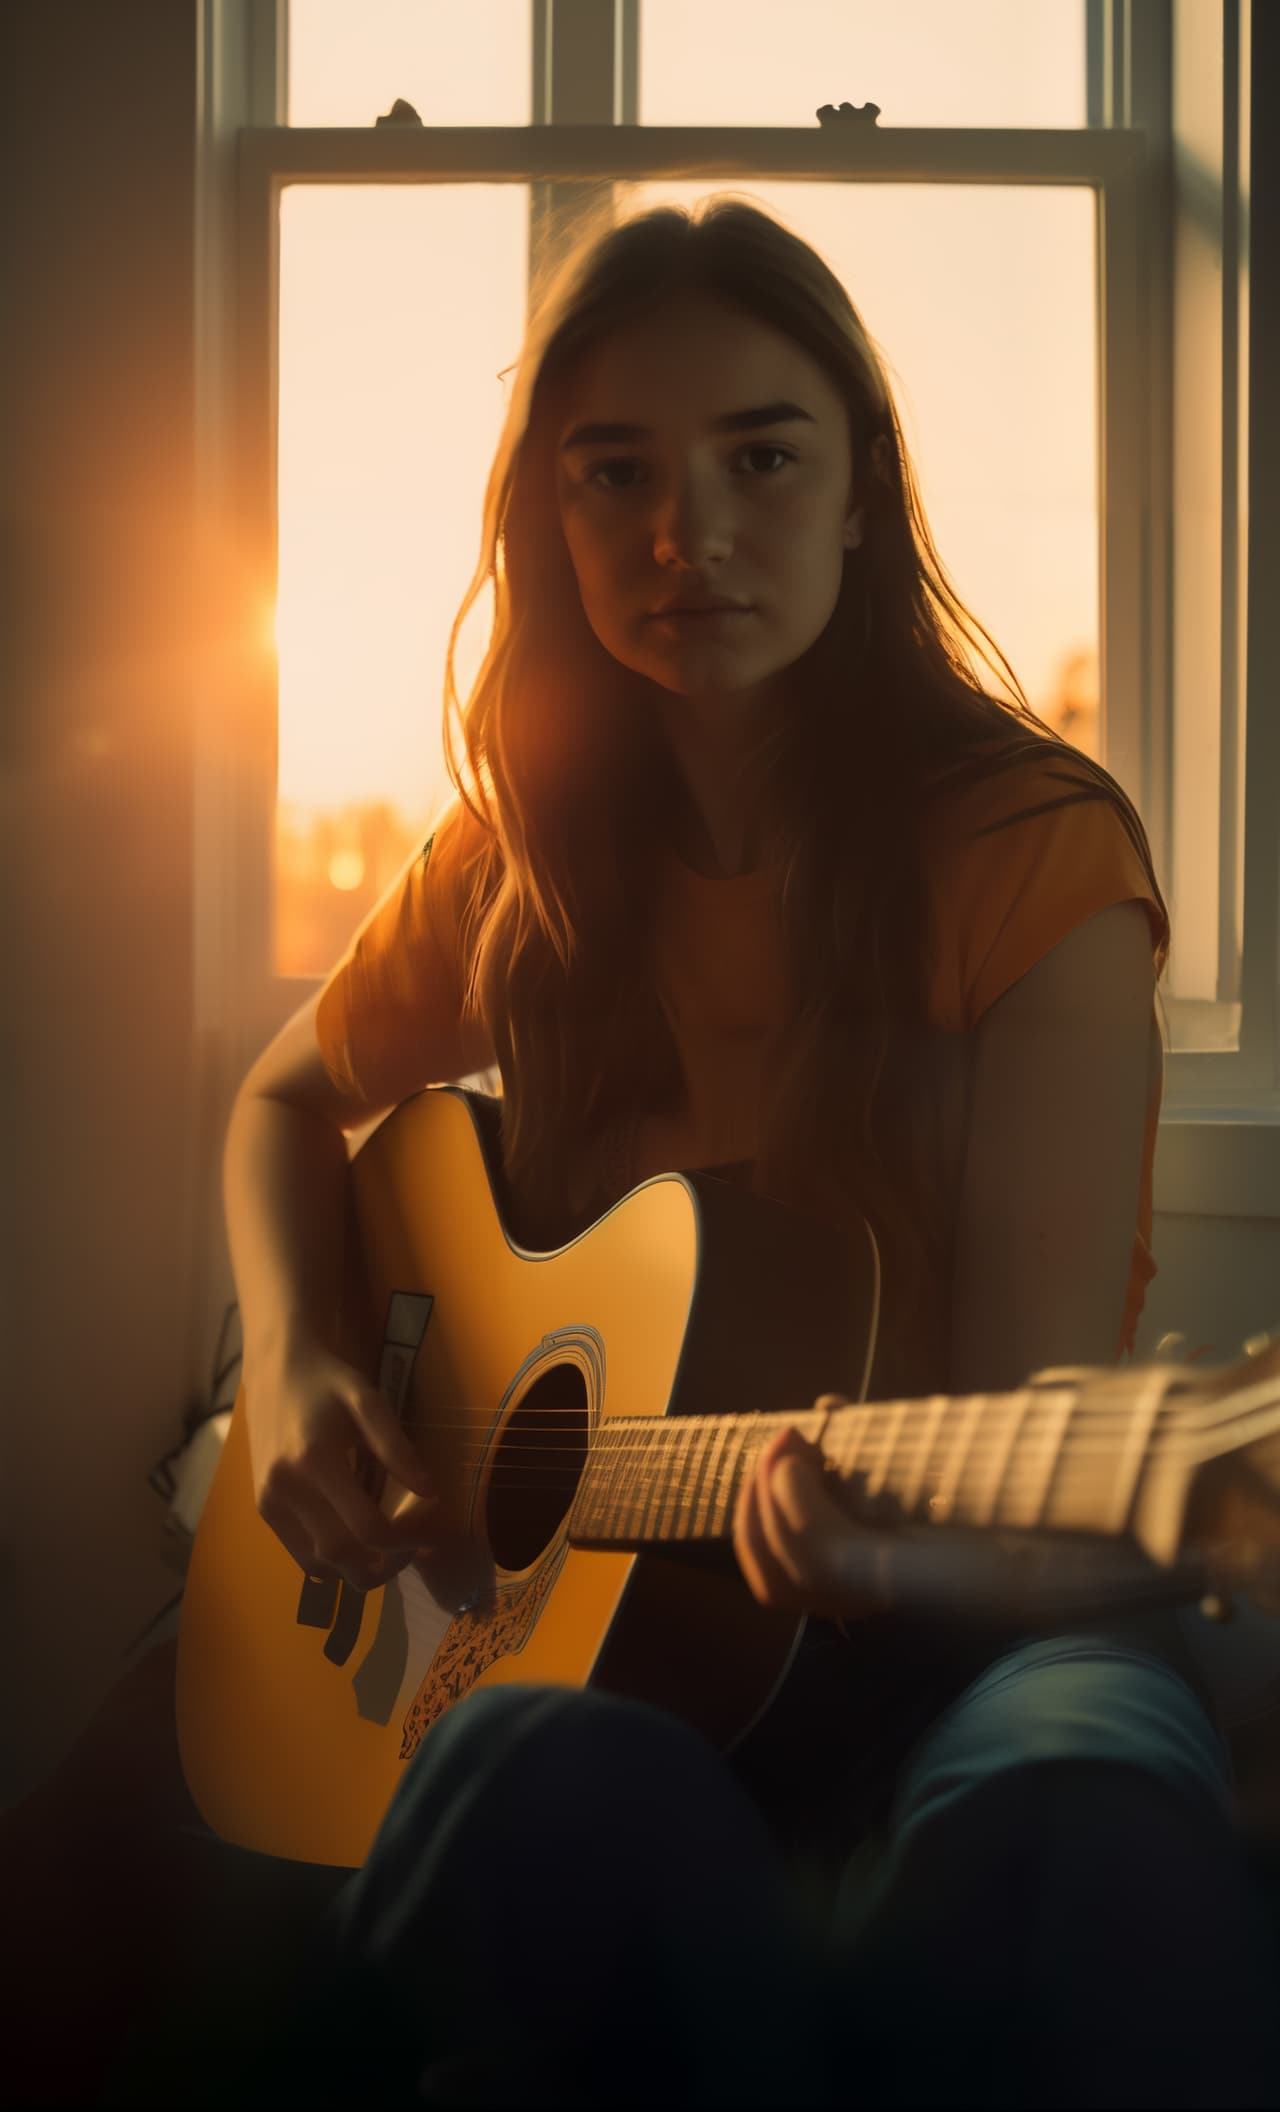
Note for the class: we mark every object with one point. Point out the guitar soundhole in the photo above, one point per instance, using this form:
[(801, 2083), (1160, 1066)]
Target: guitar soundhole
[(536, 1467)]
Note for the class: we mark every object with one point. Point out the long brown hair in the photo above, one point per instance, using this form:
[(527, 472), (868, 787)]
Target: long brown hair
[(563, 768)]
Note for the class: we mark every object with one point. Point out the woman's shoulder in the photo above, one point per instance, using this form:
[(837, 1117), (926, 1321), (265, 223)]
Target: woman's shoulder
[(997, 786), (1020, 851), (457, 840), (455, 867)]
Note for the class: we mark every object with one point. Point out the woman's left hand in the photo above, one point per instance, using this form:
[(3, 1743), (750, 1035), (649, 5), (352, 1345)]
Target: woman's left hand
[(796, 1546)]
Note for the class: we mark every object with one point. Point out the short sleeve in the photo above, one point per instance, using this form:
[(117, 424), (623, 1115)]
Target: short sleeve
[(389, 1020), (1016, 865)]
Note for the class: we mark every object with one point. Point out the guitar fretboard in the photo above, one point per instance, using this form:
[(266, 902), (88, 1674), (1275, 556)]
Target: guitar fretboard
[(1043, 1459)]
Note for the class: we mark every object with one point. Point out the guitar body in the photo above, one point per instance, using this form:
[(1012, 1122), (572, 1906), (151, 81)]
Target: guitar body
[(300, 1702)]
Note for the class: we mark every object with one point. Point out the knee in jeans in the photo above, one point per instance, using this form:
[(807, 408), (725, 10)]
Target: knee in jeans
[(1111, 1814), (594, 1733), (556, 1735)]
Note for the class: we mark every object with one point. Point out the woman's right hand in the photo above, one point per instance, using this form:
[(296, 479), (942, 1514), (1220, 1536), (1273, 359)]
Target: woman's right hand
[(313, 1421)]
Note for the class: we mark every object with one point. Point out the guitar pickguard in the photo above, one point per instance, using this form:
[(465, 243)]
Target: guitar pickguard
[(474, 1641)]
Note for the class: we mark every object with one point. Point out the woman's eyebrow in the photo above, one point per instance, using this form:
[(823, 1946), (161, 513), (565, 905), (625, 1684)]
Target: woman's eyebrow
[(728, 422)]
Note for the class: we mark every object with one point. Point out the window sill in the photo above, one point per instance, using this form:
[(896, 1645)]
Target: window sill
[(1219, 1162)]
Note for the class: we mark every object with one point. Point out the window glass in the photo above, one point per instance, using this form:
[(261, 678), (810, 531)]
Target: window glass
[(390, 406), (922, 62), (458, 65), (981, 303)]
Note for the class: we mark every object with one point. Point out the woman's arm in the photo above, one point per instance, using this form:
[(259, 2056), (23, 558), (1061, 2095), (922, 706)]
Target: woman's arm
[(285, 1185), (1045, 1227), (1053, 1159), (285, 1181)]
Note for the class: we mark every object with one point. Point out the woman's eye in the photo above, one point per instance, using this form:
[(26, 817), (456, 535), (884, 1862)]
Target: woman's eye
[(595, 474), (602, 473), (766, 447)]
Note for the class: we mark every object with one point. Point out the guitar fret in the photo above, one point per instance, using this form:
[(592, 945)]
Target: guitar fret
[(593, 1488), (738, 1469), (686, 1482), (714, 1466), (933, 1412), (895, 1416), (704, 1494), (980, 1508), (583, 1508), (616, 1488), (684, 1469), (719, 1475), (900, 1471), (671, 1453), (871, 1449), (649, 1492), (725, 1475), (1029, 1500), (854, 1424), (630, 1494), (942, 1501), (589, 1511), (722, 1480), (1129, 1471)]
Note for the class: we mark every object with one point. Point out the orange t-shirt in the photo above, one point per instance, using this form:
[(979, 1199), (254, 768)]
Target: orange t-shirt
[(390, 1017)]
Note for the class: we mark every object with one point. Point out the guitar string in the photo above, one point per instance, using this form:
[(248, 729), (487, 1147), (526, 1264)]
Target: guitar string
[(507, 1473), (1102, 1412), (1012, 1492), (526, 1477), (658, 1435), (679, 1484), (573, 1432), (619, 1435), (1081, 1488), (638, 1425), (1079, 1447), (1090, 1468)]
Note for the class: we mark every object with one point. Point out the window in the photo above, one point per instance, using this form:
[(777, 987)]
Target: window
[(389, 408), (924, 62), (1068, 354), (470, 65)]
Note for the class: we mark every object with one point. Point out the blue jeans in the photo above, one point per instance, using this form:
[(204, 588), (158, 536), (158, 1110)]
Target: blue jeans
[(1057, 1909), (573, 1902)]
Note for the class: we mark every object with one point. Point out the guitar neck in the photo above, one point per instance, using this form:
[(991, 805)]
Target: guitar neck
[(1047, 1459)]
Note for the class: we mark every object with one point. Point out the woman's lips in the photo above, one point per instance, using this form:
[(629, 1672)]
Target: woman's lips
[(679, 618)]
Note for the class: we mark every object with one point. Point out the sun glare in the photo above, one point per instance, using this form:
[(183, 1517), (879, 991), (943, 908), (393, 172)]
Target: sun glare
[(346, 870)]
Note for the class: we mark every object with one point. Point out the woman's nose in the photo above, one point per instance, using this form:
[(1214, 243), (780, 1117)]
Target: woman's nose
[(690, 525)]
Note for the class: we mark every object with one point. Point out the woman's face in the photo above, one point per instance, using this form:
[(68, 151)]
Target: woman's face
[(703, 455)]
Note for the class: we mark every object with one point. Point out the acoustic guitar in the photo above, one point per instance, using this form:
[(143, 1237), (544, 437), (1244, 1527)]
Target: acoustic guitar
[(589, 1415)]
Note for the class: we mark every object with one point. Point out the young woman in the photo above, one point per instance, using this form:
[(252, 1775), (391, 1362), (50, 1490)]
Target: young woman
[(747, 870)]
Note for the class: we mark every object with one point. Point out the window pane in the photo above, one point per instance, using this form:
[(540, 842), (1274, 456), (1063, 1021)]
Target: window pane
[(989, 342), (923, 62), (457, 65), (390, 409)]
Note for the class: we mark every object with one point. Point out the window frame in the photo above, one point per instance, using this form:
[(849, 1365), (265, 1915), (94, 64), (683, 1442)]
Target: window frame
[(585, 58)]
